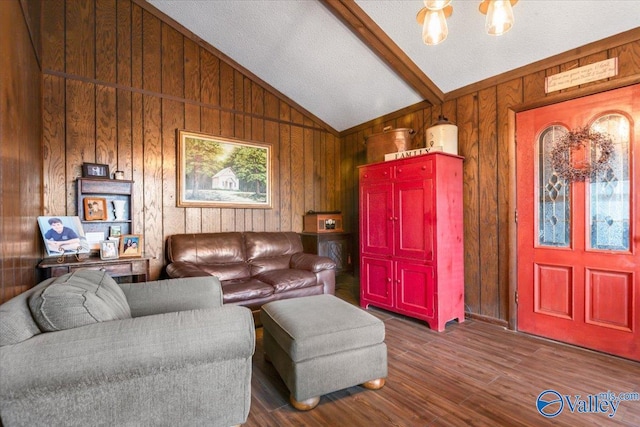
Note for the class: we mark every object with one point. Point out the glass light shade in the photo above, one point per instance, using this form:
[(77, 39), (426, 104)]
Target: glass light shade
[(436, 4), (499, 17), (434, 29)]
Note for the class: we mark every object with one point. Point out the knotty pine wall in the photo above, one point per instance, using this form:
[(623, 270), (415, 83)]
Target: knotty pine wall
[(119, 78), (481, 112), (20, 149)]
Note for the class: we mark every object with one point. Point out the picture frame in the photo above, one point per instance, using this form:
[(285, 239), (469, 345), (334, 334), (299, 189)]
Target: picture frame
[(222, 172), (95, 208), (115, 231), (109, 249), (131, 245), (95, 170), (63, 235)]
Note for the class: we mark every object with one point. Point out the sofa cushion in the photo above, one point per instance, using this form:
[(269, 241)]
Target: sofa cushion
[(233, 271), (260, 265), (206, 248), (271, 244), (286, 280), (77, 299), (244, 290)]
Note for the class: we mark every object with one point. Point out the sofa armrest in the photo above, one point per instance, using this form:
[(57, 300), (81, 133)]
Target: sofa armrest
[(185, 269), (165, 296), (117, 351), (311, 262)]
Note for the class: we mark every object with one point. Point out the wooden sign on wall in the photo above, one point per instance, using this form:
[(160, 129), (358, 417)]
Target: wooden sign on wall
[(581, 75)]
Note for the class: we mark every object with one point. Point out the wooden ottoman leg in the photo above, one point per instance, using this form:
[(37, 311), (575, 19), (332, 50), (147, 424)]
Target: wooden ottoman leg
[(305, 405), (374, 384)]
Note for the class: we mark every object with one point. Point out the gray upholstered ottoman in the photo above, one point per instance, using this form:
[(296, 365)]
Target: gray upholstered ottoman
[(321, 344)]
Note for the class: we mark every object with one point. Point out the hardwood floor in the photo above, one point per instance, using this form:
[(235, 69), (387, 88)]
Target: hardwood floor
[(473, 373)]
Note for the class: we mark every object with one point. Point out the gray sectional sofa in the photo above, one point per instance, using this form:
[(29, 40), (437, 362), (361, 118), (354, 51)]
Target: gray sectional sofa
[(82, 350)]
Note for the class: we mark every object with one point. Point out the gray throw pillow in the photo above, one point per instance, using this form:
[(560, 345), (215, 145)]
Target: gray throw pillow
[(77, 299)]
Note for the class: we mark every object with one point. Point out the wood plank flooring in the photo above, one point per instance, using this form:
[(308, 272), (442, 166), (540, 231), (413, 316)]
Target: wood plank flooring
[(473, 373)]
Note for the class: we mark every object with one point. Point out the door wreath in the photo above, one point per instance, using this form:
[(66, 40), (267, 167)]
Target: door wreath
[(586, 138)]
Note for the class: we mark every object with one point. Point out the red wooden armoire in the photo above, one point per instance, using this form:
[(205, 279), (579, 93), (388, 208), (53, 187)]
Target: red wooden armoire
[(411, 237)]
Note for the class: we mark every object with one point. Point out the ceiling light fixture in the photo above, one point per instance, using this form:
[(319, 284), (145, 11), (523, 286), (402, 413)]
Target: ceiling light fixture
[(499, 15), (434, 22), (433, 16)]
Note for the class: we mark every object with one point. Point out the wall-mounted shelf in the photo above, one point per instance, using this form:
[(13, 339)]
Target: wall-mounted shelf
[(110, 190)]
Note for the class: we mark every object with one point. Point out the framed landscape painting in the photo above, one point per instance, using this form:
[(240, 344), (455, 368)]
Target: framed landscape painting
[(223, 172)]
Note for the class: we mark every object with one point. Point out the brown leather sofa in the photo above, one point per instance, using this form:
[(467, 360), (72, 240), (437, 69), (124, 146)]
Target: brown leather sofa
[(253, 267)]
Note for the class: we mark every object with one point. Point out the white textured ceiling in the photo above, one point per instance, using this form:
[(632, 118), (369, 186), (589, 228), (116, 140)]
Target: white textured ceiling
[(302, 50)]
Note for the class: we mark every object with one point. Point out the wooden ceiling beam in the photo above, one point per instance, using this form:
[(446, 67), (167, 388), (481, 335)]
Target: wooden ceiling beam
[(381, 44)]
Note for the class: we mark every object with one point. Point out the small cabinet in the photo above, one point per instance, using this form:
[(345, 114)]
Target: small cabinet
[(334, 245), (411, 249), (118, 202)]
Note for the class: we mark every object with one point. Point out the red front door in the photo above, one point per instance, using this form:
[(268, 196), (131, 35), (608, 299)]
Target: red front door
[(579, 241)]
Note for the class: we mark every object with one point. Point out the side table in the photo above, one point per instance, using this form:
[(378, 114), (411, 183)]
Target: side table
[(135, 268), (335, 245)]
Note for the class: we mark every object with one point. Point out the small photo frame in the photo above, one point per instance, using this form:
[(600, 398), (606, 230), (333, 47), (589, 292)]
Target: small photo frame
[(95, 208), (130, 245), (109, 249), (115, 231), (95, 170)]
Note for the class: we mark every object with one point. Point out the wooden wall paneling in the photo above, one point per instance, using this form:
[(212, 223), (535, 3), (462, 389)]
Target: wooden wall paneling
[(173, 217), (257, 134), (508, 94), (488, 192), (173, 83), (80, 137), (125, 144), (350, 178), (534, 85), (192, 90), (238, 105), (105, 40), (628, 56), (312, 187), (193, 78), (151, 53), (137, 161), (215, 82), (80, 43), (106, 127), (172, 62), (297, 178), (272, 136), (331, 176), (450, 110), (53, 35), (54, 146), (211, 217), (137, 27), (20, 150), (152, 186), (123, 42), (227, 127), (238, 132), (468, 148), (285, 168)]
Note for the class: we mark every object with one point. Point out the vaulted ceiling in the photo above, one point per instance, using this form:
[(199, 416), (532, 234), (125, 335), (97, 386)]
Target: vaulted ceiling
[(347, 62)]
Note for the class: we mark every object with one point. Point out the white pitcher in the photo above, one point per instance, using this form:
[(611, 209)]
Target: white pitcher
[(118, 210)]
